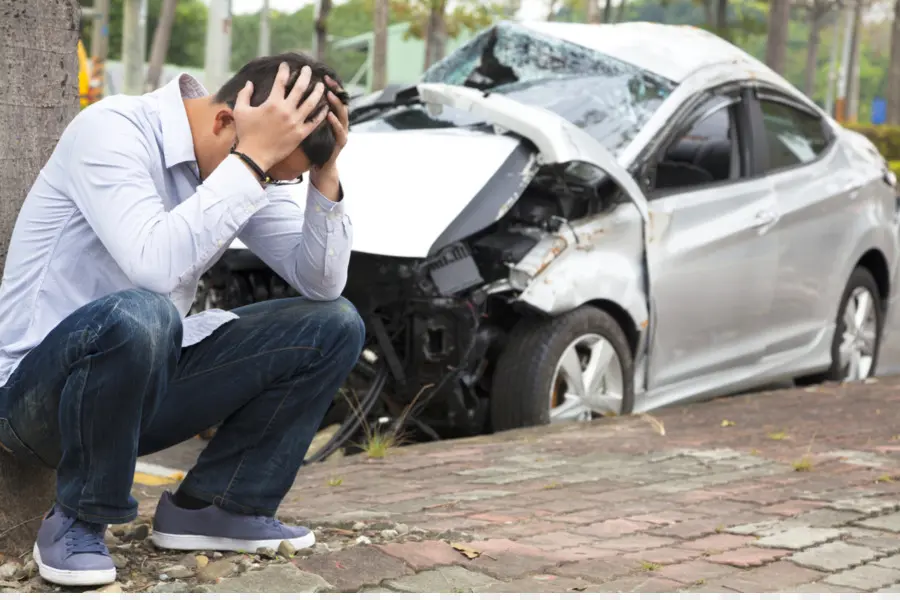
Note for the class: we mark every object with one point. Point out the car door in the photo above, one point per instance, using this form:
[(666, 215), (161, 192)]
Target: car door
[(712, 257), (815, 189)]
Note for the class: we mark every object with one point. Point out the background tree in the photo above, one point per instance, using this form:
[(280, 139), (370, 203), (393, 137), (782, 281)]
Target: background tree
[(160, 48), (38, 98), (379, 44)]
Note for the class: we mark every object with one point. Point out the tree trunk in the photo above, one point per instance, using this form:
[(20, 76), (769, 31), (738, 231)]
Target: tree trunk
[(160, 44), (776, 44), (321, 42), (722, 29), (812, 52), (436, 33), (592, 11), (893, 85), (379, 44), (38, 98)]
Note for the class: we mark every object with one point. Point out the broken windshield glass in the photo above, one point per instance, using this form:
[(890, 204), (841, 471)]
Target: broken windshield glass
[(608, 98)]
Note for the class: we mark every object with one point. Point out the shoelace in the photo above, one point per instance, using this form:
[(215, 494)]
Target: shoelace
[(82, 538)]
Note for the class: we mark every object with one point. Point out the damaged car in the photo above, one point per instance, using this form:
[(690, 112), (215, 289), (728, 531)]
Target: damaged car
[(566, 221)]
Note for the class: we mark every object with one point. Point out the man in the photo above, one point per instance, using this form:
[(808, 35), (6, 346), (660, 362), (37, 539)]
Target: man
[(99, 364)]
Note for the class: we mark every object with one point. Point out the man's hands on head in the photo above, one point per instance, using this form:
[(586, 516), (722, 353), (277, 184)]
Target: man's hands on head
[(325, 178), (268, 133)]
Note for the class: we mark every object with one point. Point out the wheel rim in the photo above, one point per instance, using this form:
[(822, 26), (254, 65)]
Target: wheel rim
[(588, 380), (860, 337)]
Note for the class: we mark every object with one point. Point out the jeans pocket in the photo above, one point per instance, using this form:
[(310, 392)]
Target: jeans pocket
[(12, 444)]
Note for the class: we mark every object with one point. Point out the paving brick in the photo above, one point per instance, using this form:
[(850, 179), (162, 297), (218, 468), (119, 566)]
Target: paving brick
[(663, 556), (886, 523), (635, 543), (423, 555), (717, 542), (348, 570), (747, 557), (798, 538), (695, 570), (545, 583), (775, 577), (644, 585), (598, 570), (790, 508), (866, 578), (557, 540), (454, 579), (613, 528), (833, 556)]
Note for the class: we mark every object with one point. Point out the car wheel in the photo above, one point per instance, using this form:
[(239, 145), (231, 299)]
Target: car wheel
[(569, 368), (857, 334)]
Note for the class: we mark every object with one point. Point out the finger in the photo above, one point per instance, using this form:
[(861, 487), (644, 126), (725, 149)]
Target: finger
[(340, 132), (243, 97), (332, 84), (280, 84), (339, 109), (309, 105), (300, 87), (311, 125)]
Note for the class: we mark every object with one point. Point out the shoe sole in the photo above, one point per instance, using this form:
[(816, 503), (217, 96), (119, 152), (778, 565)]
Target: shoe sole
[(174, 541), (73, 578)]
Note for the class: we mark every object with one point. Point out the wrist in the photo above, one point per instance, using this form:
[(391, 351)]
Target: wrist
[(257, 156)]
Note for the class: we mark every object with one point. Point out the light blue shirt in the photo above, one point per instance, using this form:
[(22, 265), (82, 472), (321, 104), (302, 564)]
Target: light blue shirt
[(119, 205)]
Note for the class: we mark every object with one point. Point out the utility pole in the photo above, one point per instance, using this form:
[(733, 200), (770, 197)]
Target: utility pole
[(265, 43), (133, 43), (218, 44), (99, 49)]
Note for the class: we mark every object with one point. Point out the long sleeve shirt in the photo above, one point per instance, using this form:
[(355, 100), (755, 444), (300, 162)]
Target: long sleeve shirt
[(120, 205)]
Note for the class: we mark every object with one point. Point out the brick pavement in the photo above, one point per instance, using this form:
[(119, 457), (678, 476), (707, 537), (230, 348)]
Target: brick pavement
[(791, 490)]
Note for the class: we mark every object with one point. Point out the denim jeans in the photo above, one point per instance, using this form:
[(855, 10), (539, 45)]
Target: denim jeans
[(112, 382)]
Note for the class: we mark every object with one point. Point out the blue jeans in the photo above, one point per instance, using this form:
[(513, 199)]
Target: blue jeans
[(112, 382)]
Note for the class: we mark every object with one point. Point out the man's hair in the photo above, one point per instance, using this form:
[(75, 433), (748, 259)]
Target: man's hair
[(319, 145)]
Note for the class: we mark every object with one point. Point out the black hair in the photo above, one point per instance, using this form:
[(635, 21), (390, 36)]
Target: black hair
[(319, 145)]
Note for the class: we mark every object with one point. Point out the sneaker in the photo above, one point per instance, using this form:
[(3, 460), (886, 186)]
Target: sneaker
[(72, 552), (213, 528)]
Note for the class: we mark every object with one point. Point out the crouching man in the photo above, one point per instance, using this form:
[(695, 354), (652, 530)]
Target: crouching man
[(98, 362)]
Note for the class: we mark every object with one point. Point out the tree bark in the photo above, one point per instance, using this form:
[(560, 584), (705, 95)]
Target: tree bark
[(321, 41), (893, 85), (592, 11), (436, 32), (776, 44), (812, 51), (379, 44), (160, 44), (38, 98)]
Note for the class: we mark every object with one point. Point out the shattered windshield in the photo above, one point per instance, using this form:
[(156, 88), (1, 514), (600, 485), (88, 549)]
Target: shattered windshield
[(608, 98)]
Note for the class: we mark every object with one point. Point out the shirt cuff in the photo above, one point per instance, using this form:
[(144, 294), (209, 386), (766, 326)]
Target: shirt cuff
[(316, 202)]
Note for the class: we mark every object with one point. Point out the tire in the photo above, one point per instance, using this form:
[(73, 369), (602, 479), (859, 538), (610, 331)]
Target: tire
[(860, 278), (524, 375)]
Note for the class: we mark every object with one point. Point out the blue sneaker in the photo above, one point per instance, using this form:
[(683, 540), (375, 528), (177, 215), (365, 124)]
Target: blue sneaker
[(72, 552), (212, 528)]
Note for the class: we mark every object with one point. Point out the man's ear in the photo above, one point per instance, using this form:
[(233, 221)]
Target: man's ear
[(224, 120)]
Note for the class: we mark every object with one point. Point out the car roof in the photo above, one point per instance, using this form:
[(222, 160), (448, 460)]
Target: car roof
[(671, 51)]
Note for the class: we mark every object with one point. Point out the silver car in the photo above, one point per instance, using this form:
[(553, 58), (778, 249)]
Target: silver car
[(562, 221)]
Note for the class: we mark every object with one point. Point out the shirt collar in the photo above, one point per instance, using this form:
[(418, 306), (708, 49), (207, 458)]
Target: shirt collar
[(178, 144)]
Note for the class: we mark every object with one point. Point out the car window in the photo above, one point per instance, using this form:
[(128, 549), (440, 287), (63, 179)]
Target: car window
[(704, 155), (793, 137)]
